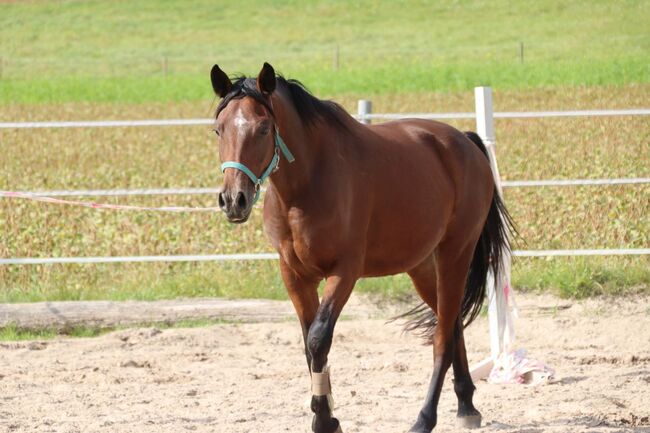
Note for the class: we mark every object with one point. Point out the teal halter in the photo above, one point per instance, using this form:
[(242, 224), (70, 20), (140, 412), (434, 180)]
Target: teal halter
[(273, 165)]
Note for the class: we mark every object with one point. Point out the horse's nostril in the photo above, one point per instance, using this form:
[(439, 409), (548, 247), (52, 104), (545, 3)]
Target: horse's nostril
[(222, 202), (241, 200)]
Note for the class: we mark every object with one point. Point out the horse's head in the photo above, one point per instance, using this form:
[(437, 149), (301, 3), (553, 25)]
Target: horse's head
[(247, 138)]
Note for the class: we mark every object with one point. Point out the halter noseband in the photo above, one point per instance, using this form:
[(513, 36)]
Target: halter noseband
[(272, 167)]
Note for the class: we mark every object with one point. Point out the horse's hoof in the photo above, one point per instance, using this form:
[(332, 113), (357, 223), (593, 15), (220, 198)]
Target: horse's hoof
[(469, 421), (423, 425), (332, 427)]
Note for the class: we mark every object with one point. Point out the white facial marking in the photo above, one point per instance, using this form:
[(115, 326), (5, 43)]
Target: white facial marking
[(240, 121)]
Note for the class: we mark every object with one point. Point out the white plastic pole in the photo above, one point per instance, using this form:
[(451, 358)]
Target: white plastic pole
[(364, 109), (484, 113), (485, 127), (500, 320)]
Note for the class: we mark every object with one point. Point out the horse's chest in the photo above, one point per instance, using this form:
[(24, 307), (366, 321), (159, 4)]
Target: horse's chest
[(307, 248)]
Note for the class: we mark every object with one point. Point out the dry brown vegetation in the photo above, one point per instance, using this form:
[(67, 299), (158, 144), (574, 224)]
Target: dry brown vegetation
[(548, 218)]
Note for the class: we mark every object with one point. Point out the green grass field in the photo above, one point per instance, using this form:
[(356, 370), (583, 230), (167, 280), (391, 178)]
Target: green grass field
[(69, 60), (140, 51)]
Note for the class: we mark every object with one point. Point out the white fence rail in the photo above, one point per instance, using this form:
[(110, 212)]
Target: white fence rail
[(138, 259), (105, 123), (364, 114), (274, 256), (121, 192), (484, 117), (198, 191)]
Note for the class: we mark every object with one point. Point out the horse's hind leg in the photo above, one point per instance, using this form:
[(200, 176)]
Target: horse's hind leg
[(451, 273), (468, 416), (424, 279)]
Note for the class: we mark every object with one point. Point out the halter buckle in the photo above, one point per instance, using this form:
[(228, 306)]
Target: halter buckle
[(277, 164)]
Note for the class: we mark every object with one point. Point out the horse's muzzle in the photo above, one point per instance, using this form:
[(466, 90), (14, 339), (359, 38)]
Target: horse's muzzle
[(237, 206)]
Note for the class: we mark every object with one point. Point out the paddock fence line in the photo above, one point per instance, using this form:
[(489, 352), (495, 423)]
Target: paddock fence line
[(94, 205), (484, 116), (199, 191), (121, 192), (364, 114), (275, 256), (140, 259)]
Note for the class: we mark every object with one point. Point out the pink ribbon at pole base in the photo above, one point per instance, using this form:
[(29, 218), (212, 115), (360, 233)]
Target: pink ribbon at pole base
[(515, 367)]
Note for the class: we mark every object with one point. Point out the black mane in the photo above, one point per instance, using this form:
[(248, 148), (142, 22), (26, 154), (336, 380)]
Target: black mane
[(309, 108)]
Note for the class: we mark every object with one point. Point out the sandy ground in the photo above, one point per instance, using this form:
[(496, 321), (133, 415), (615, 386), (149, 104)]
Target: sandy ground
[(253, 377)]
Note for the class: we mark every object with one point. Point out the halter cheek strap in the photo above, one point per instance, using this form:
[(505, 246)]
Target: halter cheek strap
[(281, 146)]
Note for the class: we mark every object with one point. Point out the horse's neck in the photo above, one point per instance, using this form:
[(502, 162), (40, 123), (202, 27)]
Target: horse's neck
[(293, 179), (312, 148)]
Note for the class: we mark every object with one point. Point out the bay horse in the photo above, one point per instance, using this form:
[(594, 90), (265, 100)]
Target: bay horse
[(347, 201)]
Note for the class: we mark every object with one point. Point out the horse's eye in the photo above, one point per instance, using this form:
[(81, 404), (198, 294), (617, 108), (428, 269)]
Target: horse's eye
[(216, 132), (265, 130)]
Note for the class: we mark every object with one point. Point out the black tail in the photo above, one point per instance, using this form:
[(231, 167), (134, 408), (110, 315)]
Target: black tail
[(488, 255), (490, 249)]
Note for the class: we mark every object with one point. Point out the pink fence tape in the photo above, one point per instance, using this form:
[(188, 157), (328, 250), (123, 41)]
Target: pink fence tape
[(516, 367), (93, 205)]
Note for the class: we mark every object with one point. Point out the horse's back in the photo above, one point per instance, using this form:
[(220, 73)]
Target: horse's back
[(434, 146), (441, 138)]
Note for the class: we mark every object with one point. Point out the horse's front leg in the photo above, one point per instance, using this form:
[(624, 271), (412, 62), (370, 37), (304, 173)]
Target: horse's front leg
[(319, 341), (303, 293), (317, 321)]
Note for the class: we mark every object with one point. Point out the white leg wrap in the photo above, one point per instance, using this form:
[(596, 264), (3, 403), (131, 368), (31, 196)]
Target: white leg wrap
[(320, 383), (321, 386)]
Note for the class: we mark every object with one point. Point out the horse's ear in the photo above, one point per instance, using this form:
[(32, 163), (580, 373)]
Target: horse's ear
[(220, 81), (266, 79)]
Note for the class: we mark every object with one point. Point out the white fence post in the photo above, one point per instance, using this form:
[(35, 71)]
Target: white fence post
[(485, 127), (500, 319), (364, 108), (336, 58), (484, 113), (165, 65)]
